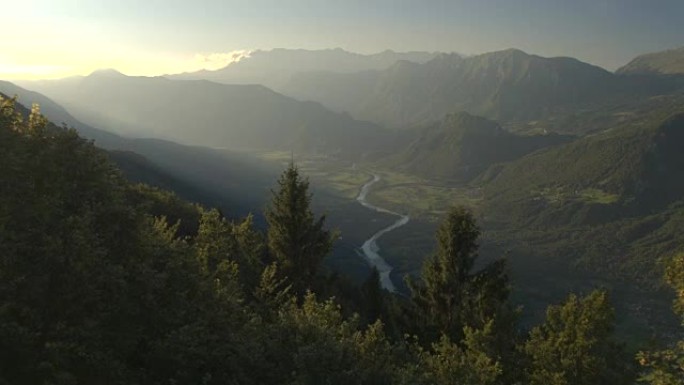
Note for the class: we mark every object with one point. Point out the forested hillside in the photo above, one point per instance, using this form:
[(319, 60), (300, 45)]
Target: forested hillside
[(104, 281), (203, 113), (462, 146), (199, 173), (231, 192), (621, 189)]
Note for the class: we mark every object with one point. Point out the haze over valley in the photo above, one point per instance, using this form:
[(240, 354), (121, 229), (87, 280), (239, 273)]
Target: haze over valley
[(440, 201)]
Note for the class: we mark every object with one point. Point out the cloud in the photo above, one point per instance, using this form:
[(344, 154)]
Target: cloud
[(217, 60)]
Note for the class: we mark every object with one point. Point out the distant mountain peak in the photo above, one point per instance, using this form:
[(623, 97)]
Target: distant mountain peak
[(512, 51), (669, 62), (107, 72), (276, 67)]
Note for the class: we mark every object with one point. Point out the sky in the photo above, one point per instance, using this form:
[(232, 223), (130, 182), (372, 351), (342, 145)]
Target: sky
[(58, 38)]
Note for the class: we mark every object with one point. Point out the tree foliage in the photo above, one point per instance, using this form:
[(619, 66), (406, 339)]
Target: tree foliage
[(574, 345), (452, 295), (666, 367), (296, 239), (105, 282)]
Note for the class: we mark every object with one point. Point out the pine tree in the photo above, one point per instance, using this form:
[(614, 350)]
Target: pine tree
[(297, 241), (452, 296)]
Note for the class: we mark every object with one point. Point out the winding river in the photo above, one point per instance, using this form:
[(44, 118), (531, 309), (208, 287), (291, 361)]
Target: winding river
[(370, 248)]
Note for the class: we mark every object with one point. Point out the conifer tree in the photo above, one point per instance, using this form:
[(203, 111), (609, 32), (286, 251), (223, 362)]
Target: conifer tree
[(297, 241), (453, 296)]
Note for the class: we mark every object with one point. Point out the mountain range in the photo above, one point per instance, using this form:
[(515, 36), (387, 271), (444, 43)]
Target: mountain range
[(606, 195), (204, 113), (508, 86), (274, 68), (212, 177)]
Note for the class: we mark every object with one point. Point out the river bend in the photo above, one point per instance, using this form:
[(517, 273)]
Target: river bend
[(370, 248)]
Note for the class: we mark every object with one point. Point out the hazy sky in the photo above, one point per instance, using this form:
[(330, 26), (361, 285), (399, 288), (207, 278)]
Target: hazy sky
[(53, 38)]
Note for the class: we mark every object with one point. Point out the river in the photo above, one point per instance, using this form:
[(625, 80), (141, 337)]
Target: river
[(370, 248)]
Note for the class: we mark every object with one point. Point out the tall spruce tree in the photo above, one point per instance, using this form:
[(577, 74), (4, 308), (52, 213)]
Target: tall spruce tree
[(452, 295), (297, 241)]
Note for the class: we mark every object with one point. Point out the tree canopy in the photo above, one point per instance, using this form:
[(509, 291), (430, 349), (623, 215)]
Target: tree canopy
[(107, 282)]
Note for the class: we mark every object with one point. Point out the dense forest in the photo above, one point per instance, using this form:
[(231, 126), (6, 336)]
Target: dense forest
[(103, 281)]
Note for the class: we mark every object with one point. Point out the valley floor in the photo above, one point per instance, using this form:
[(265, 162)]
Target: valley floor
[(539, 278)]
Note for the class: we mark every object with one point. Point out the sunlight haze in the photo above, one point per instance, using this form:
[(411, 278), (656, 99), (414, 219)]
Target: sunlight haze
[(58, 38), (342, 192)]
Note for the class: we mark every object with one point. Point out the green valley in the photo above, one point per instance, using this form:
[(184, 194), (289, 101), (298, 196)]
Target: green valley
[(456, 212)]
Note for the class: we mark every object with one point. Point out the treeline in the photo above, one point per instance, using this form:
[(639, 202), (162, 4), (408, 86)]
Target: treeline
[(105, 282)]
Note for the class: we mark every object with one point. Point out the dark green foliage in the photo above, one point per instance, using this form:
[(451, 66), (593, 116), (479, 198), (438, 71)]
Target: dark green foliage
[(666, 367), (462, 146), (297, 241), (220, 241), (67, 240), (162, 203), (105, 282), (314, 344), (461, 303), (626, 163), (373, 296), (607, 202), (472, 364), (453, 295), (92, 289), (574, 345)]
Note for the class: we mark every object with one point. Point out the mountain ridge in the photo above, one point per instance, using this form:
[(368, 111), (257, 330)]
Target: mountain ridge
[(462, 146), (219, 115), (507, 86), (273, 68), (668, 62), (222, 177)]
